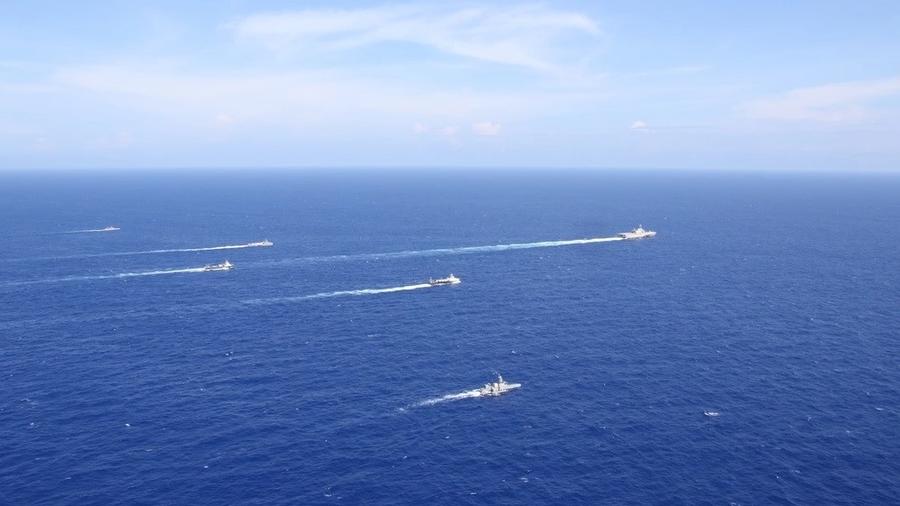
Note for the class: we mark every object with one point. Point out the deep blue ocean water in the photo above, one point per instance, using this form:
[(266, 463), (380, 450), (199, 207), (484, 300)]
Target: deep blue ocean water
[(772, 300)]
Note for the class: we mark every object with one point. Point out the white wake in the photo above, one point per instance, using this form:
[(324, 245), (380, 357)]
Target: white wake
[(259, 244), (337, 258), (452, 251), (157, 273), (342, 293), (187, 250), (198, 308), (92, 230), (468, 394), (108, 276)]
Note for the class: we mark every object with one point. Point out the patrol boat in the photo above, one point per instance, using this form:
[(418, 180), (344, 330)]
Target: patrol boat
[(638, 233), (498, 387), (449, 280), (263, 243), (224, 266)]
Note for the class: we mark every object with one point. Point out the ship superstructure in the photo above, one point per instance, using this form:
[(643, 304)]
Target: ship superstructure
[(638, 233), (224, 266), (449, 280), (498, 387)]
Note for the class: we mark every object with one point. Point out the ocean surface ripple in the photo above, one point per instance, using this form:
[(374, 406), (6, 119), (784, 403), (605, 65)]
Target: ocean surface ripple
[(746, 355)]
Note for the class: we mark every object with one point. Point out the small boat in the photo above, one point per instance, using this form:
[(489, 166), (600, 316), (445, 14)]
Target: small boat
[(449, 280), (224, 266), (109, 229), (638, 233), (498, 387), (263, 243)]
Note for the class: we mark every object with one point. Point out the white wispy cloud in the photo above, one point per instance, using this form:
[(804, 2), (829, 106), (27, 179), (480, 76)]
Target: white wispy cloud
[(830, 103), (14, 128), (306, 100), (524, 36), (321, 97), (224, 120), (486, 128), (116, 141), (26, 88)]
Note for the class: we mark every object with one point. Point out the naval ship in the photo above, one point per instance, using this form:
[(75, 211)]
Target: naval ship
[(224, 266), (449, 280), (498, 387), (638, 233)]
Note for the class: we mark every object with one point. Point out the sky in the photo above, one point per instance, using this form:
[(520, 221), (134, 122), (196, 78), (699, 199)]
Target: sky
[(729, 85)]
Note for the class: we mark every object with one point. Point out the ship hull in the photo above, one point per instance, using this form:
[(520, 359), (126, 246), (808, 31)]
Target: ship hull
[(509, 387), (630, 237)]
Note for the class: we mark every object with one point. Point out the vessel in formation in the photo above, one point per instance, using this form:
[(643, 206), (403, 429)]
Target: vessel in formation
[(449, 280), (224, 266), (498, 387), (638, 233)]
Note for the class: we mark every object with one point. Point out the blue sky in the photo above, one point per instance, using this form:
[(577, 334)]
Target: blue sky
[(710, 85)]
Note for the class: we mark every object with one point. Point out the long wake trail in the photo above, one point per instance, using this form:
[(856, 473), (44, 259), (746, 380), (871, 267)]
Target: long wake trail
[(107, 276), (147, 252), (448, 251), (468, 394), (333, 258), (341, 293), (190, 309), (91, 230), (338, 258)]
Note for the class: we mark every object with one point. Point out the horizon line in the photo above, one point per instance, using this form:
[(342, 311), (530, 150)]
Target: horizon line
[(406, 168)]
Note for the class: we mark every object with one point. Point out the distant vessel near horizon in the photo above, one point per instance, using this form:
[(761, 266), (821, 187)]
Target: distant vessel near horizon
[(638, 233), (449, 280), (224, 266), (498, 387)]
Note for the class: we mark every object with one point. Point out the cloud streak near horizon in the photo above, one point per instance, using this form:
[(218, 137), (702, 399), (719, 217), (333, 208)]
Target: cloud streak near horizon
[(830, 103)]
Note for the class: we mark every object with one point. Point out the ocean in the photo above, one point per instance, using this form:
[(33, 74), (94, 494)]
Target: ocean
[(747, 354)]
